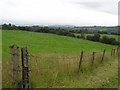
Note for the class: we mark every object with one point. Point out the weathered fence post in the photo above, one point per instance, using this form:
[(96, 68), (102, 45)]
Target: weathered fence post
[(114, 51), (80, 62), (25, 68), (111, 52), (103, 56), (117, 52), (14, 64), (93, 57)]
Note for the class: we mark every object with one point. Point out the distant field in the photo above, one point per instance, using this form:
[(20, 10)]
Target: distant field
[(48, 43), (54, 60), (111, 36)]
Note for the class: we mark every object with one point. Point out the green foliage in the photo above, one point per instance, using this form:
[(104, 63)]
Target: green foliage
[(83, 35), (105, 39), (108, 40), (102, 32), (78, 36), (95, 37), (79, 31), (44, 29), (9, 27)]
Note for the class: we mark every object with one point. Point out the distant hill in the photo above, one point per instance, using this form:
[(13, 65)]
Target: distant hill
[(90, 29)]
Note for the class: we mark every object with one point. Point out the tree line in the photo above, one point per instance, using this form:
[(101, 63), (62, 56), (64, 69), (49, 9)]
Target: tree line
[(60, 31), (103, 39), (43, 29)]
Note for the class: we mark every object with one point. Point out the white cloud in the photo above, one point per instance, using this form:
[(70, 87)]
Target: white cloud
[(59, 12)]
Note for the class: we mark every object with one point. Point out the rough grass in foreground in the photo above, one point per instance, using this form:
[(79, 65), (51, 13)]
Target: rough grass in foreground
[(61, 71)]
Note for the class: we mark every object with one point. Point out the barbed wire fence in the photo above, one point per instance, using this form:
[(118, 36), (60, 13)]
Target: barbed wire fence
[(25, 56)]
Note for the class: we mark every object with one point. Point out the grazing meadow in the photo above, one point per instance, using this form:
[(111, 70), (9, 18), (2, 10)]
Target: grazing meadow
[(54, 61)]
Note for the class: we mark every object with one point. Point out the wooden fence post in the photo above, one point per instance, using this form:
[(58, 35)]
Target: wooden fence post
[(118, 51), (25, 68), (103, 56), (80, 62), (14, 64), (93, 57), (114, 51), (111, 52)]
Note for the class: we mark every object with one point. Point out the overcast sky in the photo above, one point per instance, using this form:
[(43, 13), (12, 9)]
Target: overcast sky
[(62, 12)]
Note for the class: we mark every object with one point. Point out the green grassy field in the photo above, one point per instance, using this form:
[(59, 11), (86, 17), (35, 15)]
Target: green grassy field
[(54, 61), (49, 43)]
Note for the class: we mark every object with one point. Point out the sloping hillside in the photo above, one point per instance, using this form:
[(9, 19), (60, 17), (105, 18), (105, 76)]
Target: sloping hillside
[(54, 61), (49, 43)]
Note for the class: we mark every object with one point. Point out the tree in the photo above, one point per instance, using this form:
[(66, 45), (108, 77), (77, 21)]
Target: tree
[(89, 37), (108, 40), (102, 32), (78, 36), (96, 37)]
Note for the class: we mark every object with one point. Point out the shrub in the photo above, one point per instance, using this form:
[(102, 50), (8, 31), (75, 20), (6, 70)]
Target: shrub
[(108, 40)]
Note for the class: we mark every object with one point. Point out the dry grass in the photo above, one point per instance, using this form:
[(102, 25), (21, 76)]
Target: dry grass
[(57, 70)]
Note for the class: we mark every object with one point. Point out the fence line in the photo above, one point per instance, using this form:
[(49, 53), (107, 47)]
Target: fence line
[(113, 51), (25, 59)]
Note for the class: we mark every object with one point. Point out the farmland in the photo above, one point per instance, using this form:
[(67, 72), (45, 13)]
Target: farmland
[(54, 60), (49, 43)]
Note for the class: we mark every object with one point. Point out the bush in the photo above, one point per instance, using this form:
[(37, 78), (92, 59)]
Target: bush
[(78, 36), (102, 32), (89, 37), (83, 35), (96, 37), (108, 40)]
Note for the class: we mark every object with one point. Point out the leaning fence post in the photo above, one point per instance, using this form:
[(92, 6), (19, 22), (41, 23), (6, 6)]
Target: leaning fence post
[(25, 68), (14, 64), (103, 56), (93, 57), (80, 62)]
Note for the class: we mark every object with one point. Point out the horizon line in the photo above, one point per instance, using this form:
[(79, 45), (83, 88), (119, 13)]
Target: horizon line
[(60, 25)]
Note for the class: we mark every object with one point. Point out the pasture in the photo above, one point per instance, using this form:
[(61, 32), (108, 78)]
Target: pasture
[(48, 43), (54, 59)]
